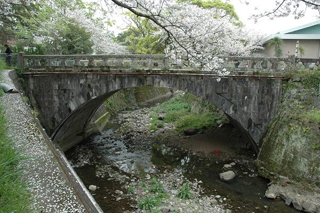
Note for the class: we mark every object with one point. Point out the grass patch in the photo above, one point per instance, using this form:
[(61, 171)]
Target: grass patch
[(2, 65), (197, 121), (156, 186), (185, 192), (14, 196), (185, 112), (148, 202)]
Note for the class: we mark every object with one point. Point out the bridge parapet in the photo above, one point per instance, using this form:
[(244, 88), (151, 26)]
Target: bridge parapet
[(251, 65), (92, 62), (232, 65)]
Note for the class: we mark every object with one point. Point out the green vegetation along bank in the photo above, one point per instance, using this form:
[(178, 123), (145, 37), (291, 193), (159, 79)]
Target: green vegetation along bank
[(14, 196), (187, 113)]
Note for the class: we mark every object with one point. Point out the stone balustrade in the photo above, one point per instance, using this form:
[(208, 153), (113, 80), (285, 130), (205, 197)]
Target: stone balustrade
[(257, 64), (92, 62), (148, 63)]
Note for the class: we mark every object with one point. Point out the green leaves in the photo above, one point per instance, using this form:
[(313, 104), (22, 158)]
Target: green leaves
[(142, 37), (276, 42), (185, 192)]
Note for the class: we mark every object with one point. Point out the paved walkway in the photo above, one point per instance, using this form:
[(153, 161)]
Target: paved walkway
[(50, 186)]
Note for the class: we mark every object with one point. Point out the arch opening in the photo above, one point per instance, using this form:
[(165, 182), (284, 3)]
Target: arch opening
[(92, 116)]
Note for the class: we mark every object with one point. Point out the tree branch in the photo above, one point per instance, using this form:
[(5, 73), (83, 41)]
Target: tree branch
[(310, 3), (154, 20)]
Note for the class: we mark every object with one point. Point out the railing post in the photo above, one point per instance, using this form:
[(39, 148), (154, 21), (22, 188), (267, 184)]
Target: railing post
[(21, 60), (166, 62)]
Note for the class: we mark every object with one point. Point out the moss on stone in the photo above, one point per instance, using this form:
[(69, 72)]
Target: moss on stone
[(290, 146)]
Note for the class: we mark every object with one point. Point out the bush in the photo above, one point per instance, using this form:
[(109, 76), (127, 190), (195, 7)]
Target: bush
[(310, 79)]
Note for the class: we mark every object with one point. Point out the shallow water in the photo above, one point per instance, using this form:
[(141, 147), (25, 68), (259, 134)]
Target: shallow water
[(127, 159)]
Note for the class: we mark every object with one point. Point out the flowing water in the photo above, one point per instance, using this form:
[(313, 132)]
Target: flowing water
[(119, 156)]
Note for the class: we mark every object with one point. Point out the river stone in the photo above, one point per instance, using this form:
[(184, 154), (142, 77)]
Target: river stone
[(297, 205), (227, 166), (191, 131), (93, 188), (270, 195), (310, 207), (226, 176)]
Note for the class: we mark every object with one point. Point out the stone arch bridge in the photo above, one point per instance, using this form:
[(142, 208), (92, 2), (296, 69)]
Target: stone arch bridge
[(66, 99)]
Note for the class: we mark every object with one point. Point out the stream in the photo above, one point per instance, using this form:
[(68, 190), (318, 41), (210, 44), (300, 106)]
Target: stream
[(122, 164)]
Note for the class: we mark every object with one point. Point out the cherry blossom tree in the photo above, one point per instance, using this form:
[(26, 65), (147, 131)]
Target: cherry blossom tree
[(195, 34), (54, 24), (12, 12), (283, 8)]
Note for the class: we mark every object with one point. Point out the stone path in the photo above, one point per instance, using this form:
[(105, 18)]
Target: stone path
[(49, 185)]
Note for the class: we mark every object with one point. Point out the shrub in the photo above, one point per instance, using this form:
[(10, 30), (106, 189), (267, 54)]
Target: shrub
[(147, 203), (185, 191)]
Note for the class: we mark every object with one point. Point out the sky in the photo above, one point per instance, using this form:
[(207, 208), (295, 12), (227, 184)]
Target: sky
[(265, 25)]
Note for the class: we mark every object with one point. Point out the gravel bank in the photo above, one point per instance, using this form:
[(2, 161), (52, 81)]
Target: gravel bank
[(49, 185)]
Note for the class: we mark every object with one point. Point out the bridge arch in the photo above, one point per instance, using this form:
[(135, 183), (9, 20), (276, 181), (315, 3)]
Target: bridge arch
[(74, 97)]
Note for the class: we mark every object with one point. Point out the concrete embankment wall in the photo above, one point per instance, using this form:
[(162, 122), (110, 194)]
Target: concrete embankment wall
[(63, 170)]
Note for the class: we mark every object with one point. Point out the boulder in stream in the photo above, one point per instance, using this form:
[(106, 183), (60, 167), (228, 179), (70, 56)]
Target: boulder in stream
[(191, 131), (226, 176)]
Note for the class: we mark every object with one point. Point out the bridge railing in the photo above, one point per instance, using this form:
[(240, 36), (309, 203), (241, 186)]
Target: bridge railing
[(249, 65), (137, 62), (92, 62)]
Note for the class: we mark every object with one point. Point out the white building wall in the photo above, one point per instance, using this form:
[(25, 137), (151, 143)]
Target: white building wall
[(311, 48)]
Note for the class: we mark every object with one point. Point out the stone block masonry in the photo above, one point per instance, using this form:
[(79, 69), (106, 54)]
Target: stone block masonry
[(66, 101)]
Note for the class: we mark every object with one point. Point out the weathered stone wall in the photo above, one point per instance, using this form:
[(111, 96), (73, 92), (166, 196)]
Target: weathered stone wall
[(291, 147), (67, 101), (290, 152)]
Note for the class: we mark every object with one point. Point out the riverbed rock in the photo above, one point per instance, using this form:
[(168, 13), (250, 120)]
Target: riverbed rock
[(226, 176), (93, 188), (191, 131), (297, 195), (227, 166)]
